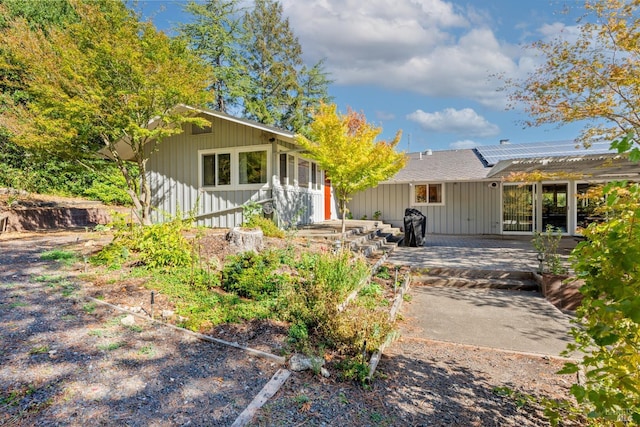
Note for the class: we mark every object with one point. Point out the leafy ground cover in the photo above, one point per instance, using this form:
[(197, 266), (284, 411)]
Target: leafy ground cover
[(297, 284)]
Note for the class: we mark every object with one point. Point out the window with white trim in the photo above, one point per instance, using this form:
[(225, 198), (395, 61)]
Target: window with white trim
[(246, 167), (428, 194), (295, 170), (303, 173), (216, 169), (252, 167)]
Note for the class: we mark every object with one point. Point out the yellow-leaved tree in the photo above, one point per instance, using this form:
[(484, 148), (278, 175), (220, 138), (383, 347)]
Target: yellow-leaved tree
[(594, 79), (345, 147)]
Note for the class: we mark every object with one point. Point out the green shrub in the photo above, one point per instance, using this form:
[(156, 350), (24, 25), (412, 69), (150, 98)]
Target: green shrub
[(157, 246), (253, 275), (353, 369), (607, 327), (39, 172), (164, 245), (268, 227), (355, 328)]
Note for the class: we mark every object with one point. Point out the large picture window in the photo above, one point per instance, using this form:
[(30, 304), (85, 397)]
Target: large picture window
[(231, 168), (252, 167), (428, 194)]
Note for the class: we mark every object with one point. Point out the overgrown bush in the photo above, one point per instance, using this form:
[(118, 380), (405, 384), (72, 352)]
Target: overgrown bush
[(607, 329), (325, 281), (268, 227), (156, 246), (253, 275), (37, 172), (252, 218)]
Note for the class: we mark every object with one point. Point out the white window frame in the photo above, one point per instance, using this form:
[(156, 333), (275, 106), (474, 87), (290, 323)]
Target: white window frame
[(293, 181), (235, 168), (426, 203)]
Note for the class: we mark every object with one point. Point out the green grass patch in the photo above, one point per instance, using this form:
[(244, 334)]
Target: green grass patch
[(41, 349), (66, 258), (147, 350), (111, 346), (89, 307), (17, 304), (135, 328)]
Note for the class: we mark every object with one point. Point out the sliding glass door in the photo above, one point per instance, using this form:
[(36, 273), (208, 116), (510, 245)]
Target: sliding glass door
[(555, 207), (518, 208)]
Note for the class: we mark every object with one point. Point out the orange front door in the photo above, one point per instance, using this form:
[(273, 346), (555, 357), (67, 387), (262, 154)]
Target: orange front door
[(327, 198)]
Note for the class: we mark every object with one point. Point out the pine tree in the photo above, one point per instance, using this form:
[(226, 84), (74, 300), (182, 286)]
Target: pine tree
[(215, 36), (273, 56)]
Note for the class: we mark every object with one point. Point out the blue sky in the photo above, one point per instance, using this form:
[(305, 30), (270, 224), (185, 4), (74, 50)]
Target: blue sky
[(425, 67)]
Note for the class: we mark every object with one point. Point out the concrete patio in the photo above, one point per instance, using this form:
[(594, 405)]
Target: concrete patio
[(490, 252)]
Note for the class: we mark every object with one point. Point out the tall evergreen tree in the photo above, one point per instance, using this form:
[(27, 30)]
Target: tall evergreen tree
[(273, 57), (215, 35), (257, 60), (314, 83)]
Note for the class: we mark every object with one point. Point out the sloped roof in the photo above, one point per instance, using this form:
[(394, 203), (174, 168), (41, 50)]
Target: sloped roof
[(490, 155), (498, 161), (124, 149), (607, 165), (448, 165)]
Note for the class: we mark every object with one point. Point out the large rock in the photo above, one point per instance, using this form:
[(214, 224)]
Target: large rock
[(300, 362)]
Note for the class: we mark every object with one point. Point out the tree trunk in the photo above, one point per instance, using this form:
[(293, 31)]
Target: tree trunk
[(243, 240), (343, 209)]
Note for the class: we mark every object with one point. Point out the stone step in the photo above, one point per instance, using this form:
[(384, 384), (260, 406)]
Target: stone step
[(381, 243), (477, 283), (477, 274)]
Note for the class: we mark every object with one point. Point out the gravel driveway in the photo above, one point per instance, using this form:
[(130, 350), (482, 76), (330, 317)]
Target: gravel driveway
[(66, 361)]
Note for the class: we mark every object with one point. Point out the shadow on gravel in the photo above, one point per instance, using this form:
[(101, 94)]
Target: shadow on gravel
[(68, 362), (408, 391)]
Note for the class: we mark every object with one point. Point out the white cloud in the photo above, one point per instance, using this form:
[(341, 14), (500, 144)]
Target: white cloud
[(463, 144), (465, 122), (424, 46)]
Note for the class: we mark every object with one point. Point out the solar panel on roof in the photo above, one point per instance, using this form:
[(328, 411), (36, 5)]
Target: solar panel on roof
[(492, 154)]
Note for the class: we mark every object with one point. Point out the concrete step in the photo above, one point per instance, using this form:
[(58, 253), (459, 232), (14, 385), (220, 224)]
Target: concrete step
[(380, 243), (476, 274), (477, 283)]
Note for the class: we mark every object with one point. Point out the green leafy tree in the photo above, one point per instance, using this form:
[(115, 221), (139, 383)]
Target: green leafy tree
[(345, 147), (607, 327), (106, 78), (592, 80), (215, 34), (42, 14)]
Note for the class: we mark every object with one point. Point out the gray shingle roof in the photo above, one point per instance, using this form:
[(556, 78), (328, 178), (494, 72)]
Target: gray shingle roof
[(439, 166)]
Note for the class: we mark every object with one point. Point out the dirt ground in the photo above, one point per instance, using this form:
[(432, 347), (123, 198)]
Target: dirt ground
[(66, 360)]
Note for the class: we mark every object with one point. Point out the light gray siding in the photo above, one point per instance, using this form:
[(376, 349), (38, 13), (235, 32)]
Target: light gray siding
[(295, 206), (469, 208), (175, 183)]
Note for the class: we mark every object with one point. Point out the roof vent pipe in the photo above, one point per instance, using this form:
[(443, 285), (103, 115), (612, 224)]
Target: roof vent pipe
[(504, 141), (421, 155), (429, 152)]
